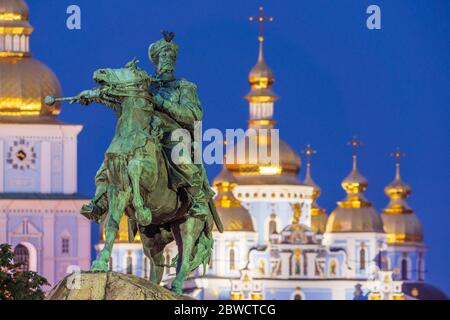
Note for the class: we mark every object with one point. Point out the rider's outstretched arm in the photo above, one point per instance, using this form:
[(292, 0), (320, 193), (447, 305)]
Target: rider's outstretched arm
[(89, 96)]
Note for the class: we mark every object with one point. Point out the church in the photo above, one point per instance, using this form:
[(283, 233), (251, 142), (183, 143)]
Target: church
[(39, 203), (278, 243)]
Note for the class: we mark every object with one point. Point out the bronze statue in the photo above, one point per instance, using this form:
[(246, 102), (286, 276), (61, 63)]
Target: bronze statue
[(163, 201)]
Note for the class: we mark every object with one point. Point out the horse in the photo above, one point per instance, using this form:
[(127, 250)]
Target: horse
[(137, 180)]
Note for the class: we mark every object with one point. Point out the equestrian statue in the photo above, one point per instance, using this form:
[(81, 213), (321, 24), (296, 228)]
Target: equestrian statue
[(165, 199)]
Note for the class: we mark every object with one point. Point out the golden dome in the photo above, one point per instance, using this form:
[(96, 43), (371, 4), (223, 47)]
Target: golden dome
[(354, 220), (122, 234), (24, 81), (250, 171), (355, 213), (234, 217), (261, 79), (400, 222), (12, 11), (318, 216)]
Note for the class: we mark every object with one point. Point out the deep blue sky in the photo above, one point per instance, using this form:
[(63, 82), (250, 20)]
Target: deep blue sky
[(335, 77)]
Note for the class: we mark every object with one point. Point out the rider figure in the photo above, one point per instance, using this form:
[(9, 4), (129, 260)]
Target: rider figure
[(178, 99)]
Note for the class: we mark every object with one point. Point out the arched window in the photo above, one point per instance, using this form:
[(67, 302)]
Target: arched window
[(362, 259), (22, 255), (272, 225), (297, 262), (388, 264), (232, 258), (305, 264), (404, 269), (65, 245), (298, 294), (129, 263), (333, 267), (262, 267), (65, 242), (168, 262), (421, 267)]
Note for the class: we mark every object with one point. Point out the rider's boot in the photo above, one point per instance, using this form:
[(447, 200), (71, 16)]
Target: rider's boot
[(200, 203)]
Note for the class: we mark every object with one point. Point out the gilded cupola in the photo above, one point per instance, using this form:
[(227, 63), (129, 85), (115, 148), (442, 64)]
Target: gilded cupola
[(355, 213), (233, 215), (254, 170), (318, 216), (124, 235), (261, 77), (25, 80), (400, 222)]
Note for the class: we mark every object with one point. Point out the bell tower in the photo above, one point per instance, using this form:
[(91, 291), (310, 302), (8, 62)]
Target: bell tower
[(39, 203)]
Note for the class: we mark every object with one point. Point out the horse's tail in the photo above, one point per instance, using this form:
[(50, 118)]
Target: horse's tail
[(202, 254), (203, 249)]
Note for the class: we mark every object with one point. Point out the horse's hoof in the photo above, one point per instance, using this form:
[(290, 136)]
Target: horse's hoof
[(144, 216), (177, 290), (99, 266)]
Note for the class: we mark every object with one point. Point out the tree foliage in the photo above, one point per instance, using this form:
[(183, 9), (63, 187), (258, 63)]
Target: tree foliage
[(16, 283)]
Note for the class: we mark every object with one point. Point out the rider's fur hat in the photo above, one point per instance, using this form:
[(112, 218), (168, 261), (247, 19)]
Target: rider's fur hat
[(166, 42)]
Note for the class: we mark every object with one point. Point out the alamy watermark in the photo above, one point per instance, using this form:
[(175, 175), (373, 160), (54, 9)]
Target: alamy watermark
[(73, 21), (374, 20), (236, 146)]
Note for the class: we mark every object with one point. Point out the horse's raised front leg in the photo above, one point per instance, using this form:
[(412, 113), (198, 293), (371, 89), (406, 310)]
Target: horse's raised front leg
[(186, 234), (118, 200), (135, 169)]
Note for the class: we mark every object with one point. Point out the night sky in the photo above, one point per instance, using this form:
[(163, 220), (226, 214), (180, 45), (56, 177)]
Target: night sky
[(336, 78)]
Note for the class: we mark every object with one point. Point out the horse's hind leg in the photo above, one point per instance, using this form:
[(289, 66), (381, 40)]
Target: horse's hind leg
[(118, 200), (135, 169), (154, 240), (186, 234)]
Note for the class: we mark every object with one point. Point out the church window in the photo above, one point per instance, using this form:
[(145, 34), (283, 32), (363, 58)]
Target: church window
[(297, 262), (305, 264), (362, 258), (333, 267), (421, 267), (129, 263), (262, 268), (22, 255), (65, 245), (272, 225), (298, 294), (232, 259), (404, 269)]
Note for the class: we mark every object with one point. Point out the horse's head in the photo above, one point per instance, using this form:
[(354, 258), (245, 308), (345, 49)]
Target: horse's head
[(128, 76)]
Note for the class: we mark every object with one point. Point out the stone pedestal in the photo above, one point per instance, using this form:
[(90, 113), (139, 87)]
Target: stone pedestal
[(109, 286)]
